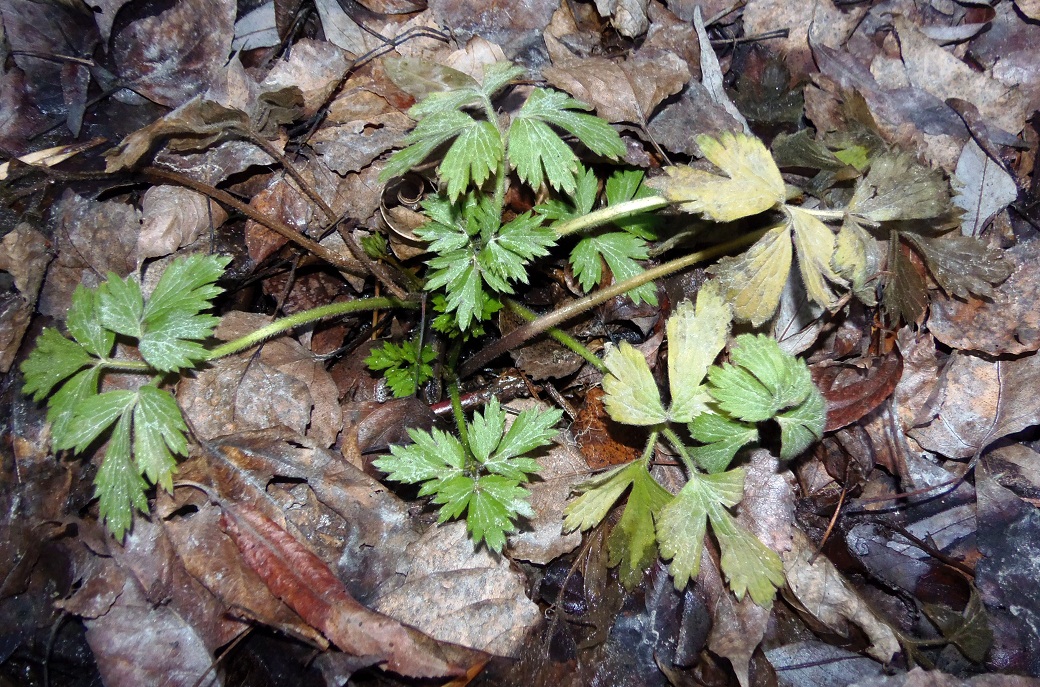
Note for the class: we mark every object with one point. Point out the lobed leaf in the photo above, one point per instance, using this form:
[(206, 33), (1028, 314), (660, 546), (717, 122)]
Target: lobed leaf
[(95, 414), (539, 155), (119, 487), (497, 75), (435, 455), (598, 496), (695, 338), (722, 438), (632, 396), (752, 183), (485, 431), (159, 434), (633, 541), (121, 305), (557, 108), (815, 245), (749, 565), (682, 523), (753, 281), (619, 250), (962, 265), (898, 188), (803, 425), (84, 322), (62, 406), (474, 156), (53, 359), (495, 503), (532, 429)]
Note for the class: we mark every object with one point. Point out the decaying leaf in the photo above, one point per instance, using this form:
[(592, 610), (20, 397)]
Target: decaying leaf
[(174, 217), (984, 188), (906, 294), (815, 244), (752, 183), (898, 188), (962, 265), (850, 396), (753, 281)]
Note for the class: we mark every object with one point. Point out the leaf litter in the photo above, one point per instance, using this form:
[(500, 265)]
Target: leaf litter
[(290, 533)]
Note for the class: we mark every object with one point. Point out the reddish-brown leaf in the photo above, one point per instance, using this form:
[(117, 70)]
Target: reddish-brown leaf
[(304, 582), (853, 393)]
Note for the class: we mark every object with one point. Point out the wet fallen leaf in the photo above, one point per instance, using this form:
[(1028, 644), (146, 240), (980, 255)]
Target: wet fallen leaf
[(305, 583), (852, 392), (174, 217), (24, 255)]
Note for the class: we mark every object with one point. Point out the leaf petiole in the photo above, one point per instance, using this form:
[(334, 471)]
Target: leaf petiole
[(612, 213)]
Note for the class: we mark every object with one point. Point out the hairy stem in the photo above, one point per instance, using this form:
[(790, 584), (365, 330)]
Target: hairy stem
[(306, 317), (561, 336), (648, 450), (612, 214), (680, 448), (522, 334), (459, 414)]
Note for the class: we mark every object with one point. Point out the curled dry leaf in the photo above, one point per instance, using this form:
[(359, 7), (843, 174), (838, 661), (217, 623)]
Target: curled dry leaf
[(819, 590), (851, 393), (174, 217), (24, 255), (1007, 322), (304, 582)]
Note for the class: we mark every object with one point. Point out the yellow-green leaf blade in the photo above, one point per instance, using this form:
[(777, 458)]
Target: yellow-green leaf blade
[(815, 245), (753, 281), (695, 337), (632, 396)]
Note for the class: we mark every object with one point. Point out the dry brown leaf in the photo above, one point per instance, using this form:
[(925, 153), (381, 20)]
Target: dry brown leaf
[(91, 239), (314, 67), (820, 591), (170, 56), (828, 26), (622, 91), (629, 17), (24, 254), (455, 593), (303, 581), (174, 217), (1006, 323)]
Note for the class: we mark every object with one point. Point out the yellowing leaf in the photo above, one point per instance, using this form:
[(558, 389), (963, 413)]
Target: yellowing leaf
[(815, 244), (852, 259), (898, 188), (695, 337), (752, 183), (632, 396), (752, 282)]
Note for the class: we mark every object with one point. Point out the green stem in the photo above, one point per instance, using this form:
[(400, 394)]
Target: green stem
[(460, 416), (560, 335), (612, 213), (519, 335), (680, 448), (306, 317), (127, 365), (648, 450)]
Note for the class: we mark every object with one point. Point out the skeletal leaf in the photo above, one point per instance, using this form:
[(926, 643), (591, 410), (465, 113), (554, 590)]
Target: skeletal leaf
[(752, 183)]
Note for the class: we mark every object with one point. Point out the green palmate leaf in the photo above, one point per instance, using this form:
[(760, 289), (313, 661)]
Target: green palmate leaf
[(62, 406), (539, 155), (84, 322), (532, 429), (452, 493), (815, 245), (962, 265), (485, 431), (803, 425), (762, 380), (121, 305), (598, 496), (625, 185), (753, 281), (752, 183), (457, 272), (168, 343), (94, 415), (749, 565), (558, 109), (517, 243), (118, 485), (53, 359), (495, 503), (722, 437), (619, 250), (474, 156), (447, 102), (682, 523), (633, 541), (435, 455), (437, 128), (187, 286), (898, 188), (695, 338), (402, 369), (497, 75), (632, 396), (158, 435)]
